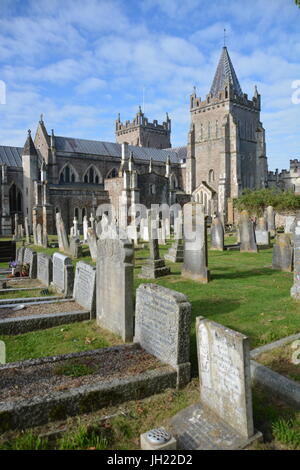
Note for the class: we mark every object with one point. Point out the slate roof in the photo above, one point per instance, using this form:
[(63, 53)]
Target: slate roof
[(11, 156), (107, 149), (225, 72)]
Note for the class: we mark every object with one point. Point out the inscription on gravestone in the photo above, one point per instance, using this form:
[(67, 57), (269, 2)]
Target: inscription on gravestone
[(44, 268)]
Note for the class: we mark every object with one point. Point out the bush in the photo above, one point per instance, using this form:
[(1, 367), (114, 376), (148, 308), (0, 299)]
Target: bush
[(258, 200)]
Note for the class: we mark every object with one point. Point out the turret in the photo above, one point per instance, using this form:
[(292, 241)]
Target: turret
[(30, 174)]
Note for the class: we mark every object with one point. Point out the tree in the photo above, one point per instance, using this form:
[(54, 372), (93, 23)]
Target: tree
[(257, 201)]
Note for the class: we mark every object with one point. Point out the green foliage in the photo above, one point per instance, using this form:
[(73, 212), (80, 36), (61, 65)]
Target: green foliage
[(26, 441), (287, 432), (83, 438), (257, 201), (297, 3), (74, 369)]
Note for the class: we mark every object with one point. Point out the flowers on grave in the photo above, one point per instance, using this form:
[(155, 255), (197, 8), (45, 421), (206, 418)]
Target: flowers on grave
[(13, 264), (25, 270)]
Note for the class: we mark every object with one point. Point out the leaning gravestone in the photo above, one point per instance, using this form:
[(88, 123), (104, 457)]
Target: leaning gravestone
[(217, 234), (30, 257), (247, 234), (92, 242), (63, 241), (84, 291), (195, 244), (44, 268), (162, 327), (63, 274), (223, 419), (295, 290), (114, 291), (283, 253)]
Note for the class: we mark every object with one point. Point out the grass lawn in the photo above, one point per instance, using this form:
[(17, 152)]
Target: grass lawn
[(284, 360)]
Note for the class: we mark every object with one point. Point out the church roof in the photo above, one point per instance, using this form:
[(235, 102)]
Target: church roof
[(11, 156), (225, 72), (111, 149)]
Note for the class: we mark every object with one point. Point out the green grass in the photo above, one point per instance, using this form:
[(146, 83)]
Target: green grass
[(283, 360), (27, 293), (62, 339), (287, 431), (75, 368)]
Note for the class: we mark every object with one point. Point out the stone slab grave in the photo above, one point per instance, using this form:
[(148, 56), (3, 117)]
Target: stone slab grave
[(223, 419), (162, 327), (84, 292), (217, 235), (63, 274), (195, 244), (114, 291), (44, 268), (282, 253)]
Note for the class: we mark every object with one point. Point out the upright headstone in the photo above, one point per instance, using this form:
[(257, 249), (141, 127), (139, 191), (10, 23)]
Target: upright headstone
[(63, 242), (63, 274), (217, 234), (282, 253), (30, 257), (114, 291), (176, 252), (84, 291), (27, 230), (20, 255), (34, 232), (75, 247), (295, 290), (247, 234), (162, 327), (161, 232), (44, 268), (223, 419), (271, 220), (195, 244), (289, 224), (74, 232), (92, 242), (154, 266), (85, 228), (39, 234), (144, 229)]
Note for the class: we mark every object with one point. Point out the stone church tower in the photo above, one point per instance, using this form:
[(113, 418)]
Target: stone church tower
[(142, 133), (226, 143)]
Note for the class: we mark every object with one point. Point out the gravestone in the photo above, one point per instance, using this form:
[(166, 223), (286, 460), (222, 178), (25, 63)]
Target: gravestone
[(34, 232), (63, 274), (161, 233), (195, 244), (30, 257), (262, 238), (74, 232), (39, 234), (271, 220), (162, 327), (114, 291), (283, 253), (223, 419), (289, 225), (154, 266), (20, 255), (144, 229), (247, 234), (27, 230), (75, 247), (63, 241), (92, 242), (44, 268), (84, 291), (85, 228), (175, 253), (132, 233), (295, 290), (217, 234)]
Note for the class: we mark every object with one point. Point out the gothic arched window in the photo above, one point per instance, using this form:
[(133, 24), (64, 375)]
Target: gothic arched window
[(113, 173), (92, 175), (67, 175), (15, 199)]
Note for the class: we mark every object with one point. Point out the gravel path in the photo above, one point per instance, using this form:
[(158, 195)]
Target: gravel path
[(31, 381), (40, 309)]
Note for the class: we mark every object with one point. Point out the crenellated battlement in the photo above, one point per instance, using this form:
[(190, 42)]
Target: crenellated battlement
[(141, 120), (227, 94)]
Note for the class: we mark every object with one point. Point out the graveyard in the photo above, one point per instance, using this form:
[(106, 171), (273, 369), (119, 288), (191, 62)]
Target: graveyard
[(245, 294)]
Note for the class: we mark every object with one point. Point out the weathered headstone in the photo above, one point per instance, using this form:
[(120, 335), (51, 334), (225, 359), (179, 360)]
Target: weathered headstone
[(195, 244), (114, 291), (282, 253), (75, 247), (217, 235), (262, 238), (92, 242), (154, 266), (39, 234), (30, 257), (162, 327), (271, 220), (63, 274), (295, 290), (247, 234), (20, 254), (34, 232), (85, 228), (223, 419), (85, 286), (27, 230), (289, 224), (44, 268), (63, 242)]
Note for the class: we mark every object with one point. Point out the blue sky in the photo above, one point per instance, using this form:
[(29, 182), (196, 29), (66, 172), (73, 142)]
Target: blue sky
[(80, 63)]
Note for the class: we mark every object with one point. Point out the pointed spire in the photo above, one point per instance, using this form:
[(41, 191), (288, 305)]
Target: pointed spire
[(29, 148), (225, 73)]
